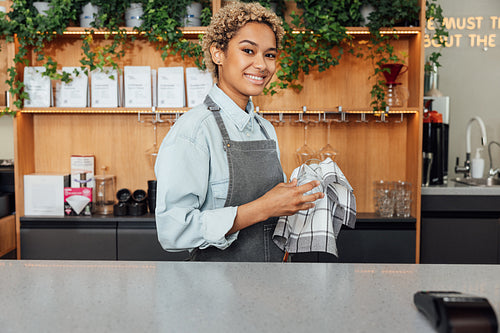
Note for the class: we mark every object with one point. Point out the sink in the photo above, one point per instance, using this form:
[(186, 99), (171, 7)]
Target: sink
[(490, 181)]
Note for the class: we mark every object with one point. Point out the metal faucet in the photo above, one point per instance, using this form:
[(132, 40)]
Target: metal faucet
[(465, 169), (492, 172)]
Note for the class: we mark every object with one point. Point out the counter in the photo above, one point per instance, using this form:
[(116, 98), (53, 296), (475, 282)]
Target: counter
[(96, 296), (454, 188)]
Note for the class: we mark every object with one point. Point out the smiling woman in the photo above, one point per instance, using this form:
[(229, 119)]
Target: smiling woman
[(220, 181)]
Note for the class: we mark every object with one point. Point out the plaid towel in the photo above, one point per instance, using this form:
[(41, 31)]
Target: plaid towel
[(316, 229)]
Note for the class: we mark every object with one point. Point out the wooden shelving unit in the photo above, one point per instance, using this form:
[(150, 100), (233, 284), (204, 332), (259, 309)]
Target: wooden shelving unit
[(367, 150)]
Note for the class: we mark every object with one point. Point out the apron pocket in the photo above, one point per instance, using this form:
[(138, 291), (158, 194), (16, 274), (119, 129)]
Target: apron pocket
[(219, 191)]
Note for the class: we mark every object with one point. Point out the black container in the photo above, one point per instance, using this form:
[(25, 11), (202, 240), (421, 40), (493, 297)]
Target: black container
[(137, 208), (139, 196), (123, 195), (120, 209), (152, 196)]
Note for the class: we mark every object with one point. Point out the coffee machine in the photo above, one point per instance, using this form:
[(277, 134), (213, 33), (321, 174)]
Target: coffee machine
[(435, 141)]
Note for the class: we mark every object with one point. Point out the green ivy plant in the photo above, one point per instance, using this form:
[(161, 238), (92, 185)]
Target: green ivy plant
[(317, 29), (162, 19), (434, 11), (387, 14), (33, 32), (110, 17)]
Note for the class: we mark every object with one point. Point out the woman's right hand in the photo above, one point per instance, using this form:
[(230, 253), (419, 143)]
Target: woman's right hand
[(286, 199)]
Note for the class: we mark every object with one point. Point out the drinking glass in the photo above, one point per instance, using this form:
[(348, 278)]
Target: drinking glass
[(327, 151), (381, 190), (402, 198), (152, 152), (305, 153)]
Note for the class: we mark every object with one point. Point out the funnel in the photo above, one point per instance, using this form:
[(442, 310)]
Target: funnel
[(391, 71)]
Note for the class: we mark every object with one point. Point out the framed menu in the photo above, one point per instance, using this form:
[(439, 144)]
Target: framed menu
[(171, 87), (104, 88), (198, 84), (137, 86), (38, 87)]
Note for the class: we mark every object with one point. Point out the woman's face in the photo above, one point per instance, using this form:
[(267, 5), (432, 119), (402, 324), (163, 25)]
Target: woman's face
[(249, 62)]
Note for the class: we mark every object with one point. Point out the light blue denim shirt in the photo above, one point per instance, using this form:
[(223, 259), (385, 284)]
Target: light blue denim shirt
[(193, 175)]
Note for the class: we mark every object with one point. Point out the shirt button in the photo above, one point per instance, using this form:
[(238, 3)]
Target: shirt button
[(248, 134)]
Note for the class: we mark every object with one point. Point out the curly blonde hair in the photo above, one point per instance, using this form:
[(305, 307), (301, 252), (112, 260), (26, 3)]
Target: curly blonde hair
[(231, 18)]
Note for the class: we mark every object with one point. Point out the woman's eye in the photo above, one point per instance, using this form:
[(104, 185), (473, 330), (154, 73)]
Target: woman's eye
[(271, 55), (248, 51)]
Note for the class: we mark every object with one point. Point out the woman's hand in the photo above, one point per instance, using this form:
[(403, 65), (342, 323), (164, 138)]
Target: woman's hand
[(284, 199)]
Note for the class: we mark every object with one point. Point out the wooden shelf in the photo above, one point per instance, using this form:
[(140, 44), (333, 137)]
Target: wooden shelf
[(122, 110), (78, 31)]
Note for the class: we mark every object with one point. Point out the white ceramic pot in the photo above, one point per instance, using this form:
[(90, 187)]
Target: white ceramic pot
[(88, 15), (42, 7), (365, 12), (133, 15), (193, 13)]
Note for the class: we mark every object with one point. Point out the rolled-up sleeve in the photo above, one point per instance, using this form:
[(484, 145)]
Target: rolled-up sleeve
[(184, 218)]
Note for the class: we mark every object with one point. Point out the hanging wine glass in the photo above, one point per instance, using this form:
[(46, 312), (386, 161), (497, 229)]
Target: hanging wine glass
[(152, 152), (327, 151), (305, 154)]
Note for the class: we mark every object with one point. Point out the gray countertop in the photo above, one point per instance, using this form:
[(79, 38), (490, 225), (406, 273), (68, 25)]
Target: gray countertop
[(99, 296), (453, 188)]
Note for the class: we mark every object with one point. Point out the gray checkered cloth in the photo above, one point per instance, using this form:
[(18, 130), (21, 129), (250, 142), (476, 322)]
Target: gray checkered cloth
[(316, 229)]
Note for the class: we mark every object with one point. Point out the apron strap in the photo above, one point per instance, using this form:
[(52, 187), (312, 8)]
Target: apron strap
[(262, 128), (212, 106)]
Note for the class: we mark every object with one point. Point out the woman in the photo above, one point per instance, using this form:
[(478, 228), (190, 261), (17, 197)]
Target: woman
[(220, 181)]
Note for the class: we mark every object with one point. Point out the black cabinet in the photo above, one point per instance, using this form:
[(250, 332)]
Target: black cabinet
[(460, 229), (374, 240), (52, 239), (139, 241)]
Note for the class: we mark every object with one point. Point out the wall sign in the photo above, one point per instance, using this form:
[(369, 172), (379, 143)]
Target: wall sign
[(471, 31)]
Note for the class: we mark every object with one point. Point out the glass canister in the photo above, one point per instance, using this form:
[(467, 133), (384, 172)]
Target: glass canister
[(104, 194)]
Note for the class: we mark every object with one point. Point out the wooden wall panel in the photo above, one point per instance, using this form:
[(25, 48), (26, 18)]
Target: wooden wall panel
[(348, 84), (366, 152)]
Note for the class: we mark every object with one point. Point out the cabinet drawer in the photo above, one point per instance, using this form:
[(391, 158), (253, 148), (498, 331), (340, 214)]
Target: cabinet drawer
[(69, 243), (139, 241), (454, 240)]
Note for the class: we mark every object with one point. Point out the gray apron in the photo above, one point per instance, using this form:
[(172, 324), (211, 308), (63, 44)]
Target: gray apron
[(254, 169)]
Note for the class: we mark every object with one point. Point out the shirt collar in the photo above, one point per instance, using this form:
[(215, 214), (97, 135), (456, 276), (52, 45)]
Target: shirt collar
[(240, 118)]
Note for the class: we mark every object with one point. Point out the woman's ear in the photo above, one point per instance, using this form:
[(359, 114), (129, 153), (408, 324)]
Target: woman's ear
[(217, 55)]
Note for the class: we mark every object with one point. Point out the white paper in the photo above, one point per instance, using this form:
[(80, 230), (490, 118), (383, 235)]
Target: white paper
[(104, 89), (73, 94), (154, 87), (137, 86), (44, 195), (198, 85), (38, 87), (171, 92)]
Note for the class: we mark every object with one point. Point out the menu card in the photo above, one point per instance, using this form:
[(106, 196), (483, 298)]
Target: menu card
[(171, 87), (104, 88), (198, 85), (137, 86), (75, 93), (38, 87)]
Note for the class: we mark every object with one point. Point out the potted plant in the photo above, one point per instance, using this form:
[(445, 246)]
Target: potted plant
[(323, 25), (386, 14), (34, 31)]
